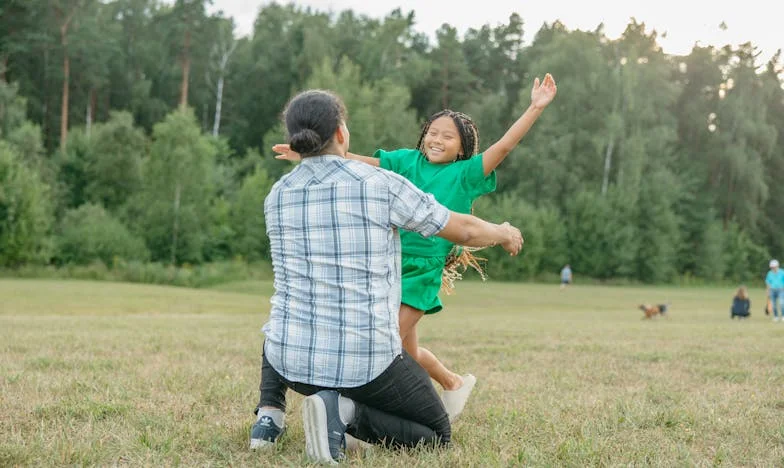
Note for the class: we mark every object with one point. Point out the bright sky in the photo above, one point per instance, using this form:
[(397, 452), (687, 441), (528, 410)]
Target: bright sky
[(684, 21)]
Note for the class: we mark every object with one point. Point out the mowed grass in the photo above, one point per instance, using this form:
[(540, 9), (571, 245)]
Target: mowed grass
[(104, 373)]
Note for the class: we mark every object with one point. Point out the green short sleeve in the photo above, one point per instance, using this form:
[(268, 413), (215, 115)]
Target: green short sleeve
[(474, 181), (385, 161), (396, 160)]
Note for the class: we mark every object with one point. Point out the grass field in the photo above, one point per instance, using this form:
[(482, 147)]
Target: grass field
[(105, 373)]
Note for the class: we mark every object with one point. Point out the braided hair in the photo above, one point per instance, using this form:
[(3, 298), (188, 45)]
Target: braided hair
[(466, 128)]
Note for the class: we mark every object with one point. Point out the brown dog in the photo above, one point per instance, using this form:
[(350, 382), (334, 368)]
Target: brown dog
[(652, 311)]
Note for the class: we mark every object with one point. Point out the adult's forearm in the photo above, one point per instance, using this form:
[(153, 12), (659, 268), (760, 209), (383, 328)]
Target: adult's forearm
[(480, 233)]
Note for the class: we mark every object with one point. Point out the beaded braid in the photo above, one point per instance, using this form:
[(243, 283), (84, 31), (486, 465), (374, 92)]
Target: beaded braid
[(460, 258), (457, 262)]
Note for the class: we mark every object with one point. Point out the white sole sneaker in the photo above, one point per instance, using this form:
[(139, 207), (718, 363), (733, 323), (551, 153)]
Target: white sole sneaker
[(314, 419), (260, 444), (264, 433), (455, 400)]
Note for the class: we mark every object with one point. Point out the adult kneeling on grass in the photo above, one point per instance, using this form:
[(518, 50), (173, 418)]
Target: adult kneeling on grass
[(333, 328)]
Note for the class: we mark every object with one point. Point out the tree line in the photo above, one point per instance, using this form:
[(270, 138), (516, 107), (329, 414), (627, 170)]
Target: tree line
[(138, 130)]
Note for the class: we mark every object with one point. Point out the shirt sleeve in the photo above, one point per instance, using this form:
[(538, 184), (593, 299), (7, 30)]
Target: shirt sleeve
[(474, 181), (414, 210), (390, 160), (769, 279)]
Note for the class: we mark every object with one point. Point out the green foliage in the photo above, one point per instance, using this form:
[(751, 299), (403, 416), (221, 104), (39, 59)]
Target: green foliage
[(247, 217), (73, 169), (218, 242), (602, 238), (25, 212), (28, 144), (274, 167), (89, 234), (545, 246), (745, 259), (711, 260), (173, 205), (114, 163), (378, 113), (262, 78), (658, 228), (27, 140), (12, 108), (119, 270), (646, 167)]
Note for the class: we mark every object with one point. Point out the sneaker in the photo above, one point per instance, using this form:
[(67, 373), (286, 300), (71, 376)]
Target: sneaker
[(455, 400), (325, 433), (264, 433)]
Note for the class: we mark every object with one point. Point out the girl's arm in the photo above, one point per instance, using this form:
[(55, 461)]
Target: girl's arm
[(365, 159), (541, 96), (285, 153)]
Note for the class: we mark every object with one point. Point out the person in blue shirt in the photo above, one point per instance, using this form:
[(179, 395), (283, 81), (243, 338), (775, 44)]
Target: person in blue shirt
[(774, 283), (566, 276)]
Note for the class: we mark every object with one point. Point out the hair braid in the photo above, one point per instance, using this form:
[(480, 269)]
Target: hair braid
[(457, 262)]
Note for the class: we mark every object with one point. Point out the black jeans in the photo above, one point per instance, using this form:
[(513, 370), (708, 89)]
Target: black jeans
[(399, 408)]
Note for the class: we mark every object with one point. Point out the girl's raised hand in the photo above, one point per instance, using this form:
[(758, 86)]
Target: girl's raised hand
[(542, 94), (285, 153)]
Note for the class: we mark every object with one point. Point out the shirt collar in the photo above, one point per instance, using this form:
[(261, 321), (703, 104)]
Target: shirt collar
[(322, 158)]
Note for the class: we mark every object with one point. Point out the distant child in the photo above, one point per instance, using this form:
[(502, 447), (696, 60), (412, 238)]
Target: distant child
[(447, 164), (741, 304)]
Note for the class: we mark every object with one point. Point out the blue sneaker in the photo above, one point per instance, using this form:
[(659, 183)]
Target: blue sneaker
[(325, 433), (264, 433)]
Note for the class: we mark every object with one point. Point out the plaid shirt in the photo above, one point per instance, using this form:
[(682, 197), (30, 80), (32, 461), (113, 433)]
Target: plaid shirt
[(336, 257)]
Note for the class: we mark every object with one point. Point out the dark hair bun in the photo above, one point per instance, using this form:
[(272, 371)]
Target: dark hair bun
[(306, 141)]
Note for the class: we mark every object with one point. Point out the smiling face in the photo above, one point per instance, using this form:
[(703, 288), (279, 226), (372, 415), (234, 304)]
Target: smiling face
[(441, 143)]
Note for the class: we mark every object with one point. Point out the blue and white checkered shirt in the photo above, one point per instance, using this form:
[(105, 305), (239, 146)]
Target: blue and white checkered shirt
[(336, 257)]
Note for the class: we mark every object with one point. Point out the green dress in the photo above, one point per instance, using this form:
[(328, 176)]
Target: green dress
[(455, 185)]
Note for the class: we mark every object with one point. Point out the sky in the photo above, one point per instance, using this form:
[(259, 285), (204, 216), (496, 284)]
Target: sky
[(684, 21)]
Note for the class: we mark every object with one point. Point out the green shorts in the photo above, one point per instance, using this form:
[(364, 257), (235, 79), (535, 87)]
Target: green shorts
[(422, 282)]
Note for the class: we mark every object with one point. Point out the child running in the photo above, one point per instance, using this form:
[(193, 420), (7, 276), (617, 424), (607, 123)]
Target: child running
[(445, 163)]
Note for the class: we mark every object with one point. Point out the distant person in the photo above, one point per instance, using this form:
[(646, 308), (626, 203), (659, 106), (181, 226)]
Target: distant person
[(741, 304), (333, 333), (566, 276), (447, 163), (774, 284)]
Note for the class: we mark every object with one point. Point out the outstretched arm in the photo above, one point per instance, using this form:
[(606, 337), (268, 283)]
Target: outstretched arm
[(541, 96), (470, 231), (284, 152)]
